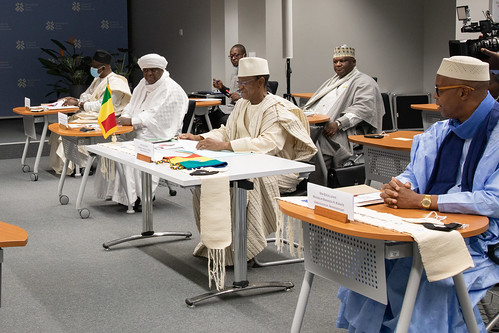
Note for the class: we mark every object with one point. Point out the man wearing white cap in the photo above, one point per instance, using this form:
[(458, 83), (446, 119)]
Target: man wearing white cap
[(260, 123), (354, 104), (156, 110), (453, 169)]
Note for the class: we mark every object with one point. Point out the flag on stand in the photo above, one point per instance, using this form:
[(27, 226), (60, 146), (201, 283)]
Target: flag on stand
[(107, 118)]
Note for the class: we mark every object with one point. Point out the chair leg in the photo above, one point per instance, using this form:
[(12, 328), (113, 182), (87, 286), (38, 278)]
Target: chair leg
[(258, 263)]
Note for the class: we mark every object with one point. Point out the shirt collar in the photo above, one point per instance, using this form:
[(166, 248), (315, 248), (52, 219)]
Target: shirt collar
[(467, 129)]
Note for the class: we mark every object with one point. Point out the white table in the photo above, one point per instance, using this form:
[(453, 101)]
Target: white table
[(241, 168)]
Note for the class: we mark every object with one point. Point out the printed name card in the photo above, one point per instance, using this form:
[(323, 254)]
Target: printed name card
[(27, 102), (330, 203), (144, 150), (62, 119)]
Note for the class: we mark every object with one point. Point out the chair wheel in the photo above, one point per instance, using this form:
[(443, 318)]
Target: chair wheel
[(84, 213), (63, 199), (34, 177), (173, 193), (25, 168)]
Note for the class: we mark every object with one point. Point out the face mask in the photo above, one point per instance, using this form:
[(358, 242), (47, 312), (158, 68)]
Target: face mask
[(94, 72)]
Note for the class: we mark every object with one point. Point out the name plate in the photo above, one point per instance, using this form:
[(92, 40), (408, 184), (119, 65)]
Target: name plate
[(62, 119), (144, 150), (331, 203), (27, 103)]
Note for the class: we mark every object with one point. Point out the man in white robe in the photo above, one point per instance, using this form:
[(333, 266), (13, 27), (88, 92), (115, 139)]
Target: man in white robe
[(354, 104), (90, 102), (156, 110), (260, 123)]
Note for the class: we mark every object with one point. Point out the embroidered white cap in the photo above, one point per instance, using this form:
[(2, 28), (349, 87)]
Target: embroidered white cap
[(152, 60), (253, 66), (343, 51), (464, 68)]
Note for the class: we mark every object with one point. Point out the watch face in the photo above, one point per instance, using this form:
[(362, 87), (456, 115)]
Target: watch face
[(426, 203)]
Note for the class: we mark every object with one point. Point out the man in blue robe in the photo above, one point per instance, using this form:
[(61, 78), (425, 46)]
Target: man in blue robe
[(453, 169)]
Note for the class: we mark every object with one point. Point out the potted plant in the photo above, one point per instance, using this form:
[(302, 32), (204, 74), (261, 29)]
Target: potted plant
[(124, 67), (71, 69)]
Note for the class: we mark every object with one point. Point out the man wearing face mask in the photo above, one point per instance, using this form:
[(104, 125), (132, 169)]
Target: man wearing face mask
[(90, 102)]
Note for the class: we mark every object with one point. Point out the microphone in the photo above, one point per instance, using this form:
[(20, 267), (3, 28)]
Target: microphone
[(224, 90)]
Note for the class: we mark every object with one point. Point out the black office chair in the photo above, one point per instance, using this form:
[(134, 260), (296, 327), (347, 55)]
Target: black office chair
[(189, 115), (406, 117), (272, 87), (389, 121)]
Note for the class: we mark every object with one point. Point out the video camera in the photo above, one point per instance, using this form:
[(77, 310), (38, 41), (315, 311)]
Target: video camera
[(471, 47)]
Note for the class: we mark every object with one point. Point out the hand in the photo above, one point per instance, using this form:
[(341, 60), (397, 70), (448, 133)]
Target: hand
[(124, 121), (331, 128), (493, 59), (212, 144), (190, 136), (234, 96), (70, 101), (218, 84), (399, 195)]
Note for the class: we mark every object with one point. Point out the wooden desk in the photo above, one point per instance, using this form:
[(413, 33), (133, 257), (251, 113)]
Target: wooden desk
[(10, 236), (72, 138), (387, 157), (429, 113), (315, 119), (302, 95), (202, 109), (333, 248), (29, 120)]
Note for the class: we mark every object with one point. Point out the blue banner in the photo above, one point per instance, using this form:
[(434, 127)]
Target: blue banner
[(27, 26)]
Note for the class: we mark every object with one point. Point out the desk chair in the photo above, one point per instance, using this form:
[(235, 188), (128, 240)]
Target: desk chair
[(272, 86), (489, 305), (189, 116), (406, 117), (389, 119)]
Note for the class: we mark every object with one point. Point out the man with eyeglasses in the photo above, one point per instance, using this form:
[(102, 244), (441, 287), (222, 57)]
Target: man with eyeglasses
[(453, 169), (354, 104), (90, 102), (219, 117), (156, 110), (260, 123)]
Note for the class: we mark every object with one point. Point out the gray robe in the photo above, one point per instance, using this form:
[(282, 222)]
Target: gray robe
[(363, 99)]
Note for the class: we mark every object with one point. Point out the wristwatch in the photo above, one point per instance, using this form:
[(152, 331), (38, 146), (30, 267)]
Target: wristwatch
[(338, 123), (426, 202)]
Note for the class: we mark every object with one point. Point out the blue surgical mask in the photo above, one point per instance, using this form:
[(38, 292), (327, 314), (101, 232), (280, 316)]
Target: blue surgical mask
[(94, 72)]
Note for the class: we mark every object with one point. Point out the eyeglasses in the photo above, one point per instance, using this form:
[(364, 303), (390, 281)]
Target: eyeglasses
[(235, 56), (244, 83), (152, 70), (437, 89)]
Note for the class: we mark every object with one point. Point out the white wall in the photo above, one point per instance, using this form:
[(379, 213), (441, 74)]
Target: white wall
[(400, 42)]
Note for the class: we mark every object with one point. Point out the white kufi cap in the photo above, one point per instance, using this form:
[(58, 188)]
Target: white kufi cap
[(343, 51), (253, 66), (152, 60), (464, 68)]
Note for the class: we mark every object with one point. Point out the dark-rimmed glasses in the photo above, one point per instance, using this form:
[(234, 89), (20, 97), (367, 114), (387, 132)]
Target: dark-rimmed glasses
[(437, 89)]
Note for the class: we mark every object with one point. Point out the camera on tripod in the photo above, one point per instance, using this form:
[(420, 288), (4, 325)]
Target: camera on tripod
[(471, 47)]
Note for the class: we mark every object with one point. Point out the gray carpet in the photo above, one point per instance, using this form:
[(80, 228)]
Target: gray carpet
[(64, 281)]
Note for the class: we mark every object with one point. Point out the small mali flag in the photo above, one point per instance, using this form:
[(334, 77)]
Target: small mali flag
[(107, 118)]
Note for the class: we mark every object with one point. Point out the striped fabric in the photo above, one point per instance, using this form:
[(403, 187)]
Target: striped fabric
[(107, 118)]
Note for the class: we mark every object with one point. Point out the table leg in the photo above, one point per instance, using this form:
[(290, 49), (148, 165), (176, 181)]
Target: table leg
[(63, 199), (1, 260), (40, 147), (411, 291), (147, 219), (322, 164), (239, 238), (301, 306), (84, 212), (464, 300), (25, 167)]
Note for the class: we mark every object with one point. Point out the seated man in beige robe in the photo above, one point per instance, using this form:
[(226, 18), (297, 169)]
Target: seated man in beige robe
[(260, 123), (90, 102)]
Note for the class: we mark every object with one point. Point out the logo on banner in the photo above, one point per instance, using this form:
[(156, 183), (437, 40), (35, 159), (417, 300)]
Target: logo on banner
[(104, 24), (75, 6), (77, 43), (22, 83), (19, 7), (50, 25), (20, 45)]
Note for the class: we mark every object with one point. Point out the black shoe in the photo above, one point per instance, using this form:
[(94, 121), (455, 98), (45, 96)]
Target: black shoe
[(137, 206)]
